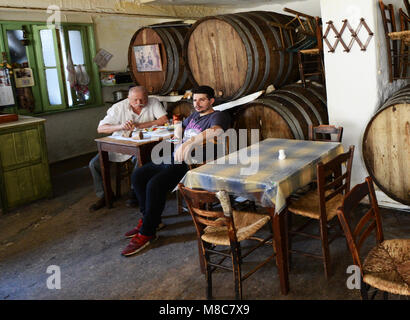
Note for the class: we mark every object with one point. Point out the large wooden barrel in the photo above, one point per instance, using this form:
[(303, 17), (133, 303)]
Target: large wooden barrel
[(285, 113), (174, 75), (386, 146), (240, 53)]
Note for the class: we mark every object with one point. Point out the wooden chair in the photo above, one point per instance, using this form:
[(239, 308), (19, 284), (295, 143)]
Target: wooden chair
[(180, 206), (386, 267), (310, 60), (220, 232), (321, 204), (324, 132), (123, 170), (397, 42)]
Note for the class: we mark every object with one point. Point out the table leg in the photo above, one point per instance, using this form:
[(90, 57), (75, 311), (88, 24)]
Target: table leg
[(280, 235), (105, 173)]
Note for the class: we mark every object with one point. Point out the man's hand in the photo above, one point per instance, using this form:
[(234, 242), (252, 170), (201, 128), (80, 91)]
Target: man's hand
[(183, 152), (128, 126)]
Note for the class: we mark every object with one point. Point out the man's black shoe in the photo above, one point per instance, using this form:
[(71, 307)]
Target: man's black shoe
[(98, 205)]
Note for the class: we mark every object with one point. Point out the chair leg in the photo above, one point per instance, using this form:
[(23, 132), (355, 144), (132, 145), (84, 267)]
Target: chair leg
[(325, 247), (385, 295), (118, 179), (302, 75), (364, 290), (208, 276), (179, 202), (289, 221), (201, 257), (236, 265)]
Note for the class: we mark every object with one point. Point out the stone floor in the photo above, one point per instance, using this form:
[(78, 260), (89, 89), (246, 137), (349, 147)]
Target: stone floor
[(86, 246)]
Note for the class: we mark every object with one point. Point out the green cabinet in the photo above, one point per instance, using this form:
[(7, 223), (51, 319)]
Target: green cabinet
[(24, 170)]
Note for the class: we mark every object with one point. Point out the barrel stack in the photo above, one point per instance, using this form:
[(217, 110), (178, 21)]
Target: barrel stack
[(285, 113), (238, 54)]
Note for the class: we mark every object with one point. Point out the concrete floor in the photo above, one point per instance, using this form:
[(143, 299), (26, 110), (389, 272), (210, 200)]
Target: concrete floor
[(87, 246)]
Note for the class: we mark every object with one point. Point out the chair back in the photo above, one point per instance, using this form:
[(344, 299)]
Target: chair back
[(407, 5), (324, 132), (331, 180), (199, 203), (369, 221)]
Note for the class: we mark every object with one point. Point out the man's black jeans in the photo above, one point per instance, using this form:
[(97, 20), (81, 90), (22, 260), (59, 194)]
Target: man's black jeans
[(151, 184)]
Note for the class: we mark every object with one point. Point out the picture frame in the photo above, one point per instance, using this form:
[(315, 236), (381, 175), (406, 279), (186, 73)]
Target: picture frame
[(148, 58), (23, 77)]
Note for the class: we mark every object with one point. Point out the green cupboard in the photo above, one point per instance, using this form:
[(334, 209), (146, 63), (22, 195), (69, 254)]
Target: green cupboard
[(24, 169)]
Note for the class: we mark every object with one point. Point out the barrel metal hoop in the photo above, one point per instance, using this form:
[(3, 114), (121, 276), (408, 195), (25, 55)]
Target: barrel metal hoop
[(290, 55), (165, 87), (281, 53), (254, 72), (280, 94), (288, 116), (185, 74), (176, 59), (245, 16), (308, 102)]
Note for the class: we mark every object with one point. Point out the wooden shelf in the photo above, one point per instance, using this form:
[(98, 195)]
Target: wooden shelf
[(117, 84)]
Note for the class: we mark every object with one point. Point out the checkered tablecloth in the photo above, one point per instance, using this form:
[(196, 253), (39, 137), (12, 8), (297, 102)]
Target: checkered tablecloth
[(257, 174)]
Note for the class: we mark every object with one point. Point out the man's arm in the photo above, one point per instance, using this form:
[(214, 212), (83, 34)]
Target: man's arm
[(159, 122), (110, 128), (184, 151)]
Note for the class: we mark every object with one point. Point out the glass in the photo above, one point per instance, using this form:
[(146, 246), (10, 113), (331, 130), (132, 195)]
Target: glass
[(53, 88), (76, 46), (17, 50), (47, 45)]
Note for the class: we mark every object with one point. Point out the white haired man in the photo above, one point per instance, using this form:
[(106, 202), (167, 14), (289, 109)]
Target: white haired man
[(137, 111)]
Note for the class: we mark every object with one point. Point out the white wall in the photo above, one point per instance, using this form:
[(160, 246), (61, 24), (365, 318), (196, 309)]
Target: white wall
[(357, 81)]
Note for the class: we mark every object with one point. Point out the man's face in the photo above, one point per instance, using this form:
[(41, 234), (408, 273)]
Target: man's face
[(137, 99), (201, 102)]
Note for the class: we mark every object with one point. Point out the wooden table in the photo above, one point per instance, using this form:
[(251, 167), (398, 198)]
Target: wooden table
[(140, 149), (271, 182)]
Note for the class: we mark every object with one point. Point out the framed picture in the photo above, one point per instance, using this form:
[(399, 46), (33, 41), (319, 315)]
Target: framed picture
[(148, 58), (23, 77)]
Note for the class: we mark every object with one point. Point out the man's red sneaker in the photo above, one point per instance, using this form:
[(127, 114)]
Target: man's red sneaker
[(134, 231), (137, 243), (137, 229)]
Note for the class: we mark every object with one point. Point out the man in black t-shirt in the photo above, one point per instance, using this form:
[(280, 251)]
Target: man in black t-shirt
[(152, 182)]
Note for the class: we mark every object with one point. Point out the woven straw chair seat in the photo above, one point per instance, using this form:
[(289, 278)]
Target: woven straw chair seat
[(246, 225), (387, 267), (308, 205), (310, 51)]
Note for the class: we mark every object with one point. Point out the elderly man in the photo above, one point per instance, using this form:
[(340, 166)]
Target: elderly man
[(137, 111), (152, 182)]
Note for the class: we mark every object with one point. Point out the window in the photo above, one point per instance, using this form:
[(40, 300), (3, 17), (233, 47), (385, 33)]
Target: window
[(61, 60)]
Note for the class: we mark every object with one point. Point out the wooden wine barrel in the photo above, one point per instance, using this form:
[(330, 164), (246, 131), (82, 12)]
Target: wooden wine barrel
[(240, 53), (386, 146), (285, 113), (174, 75)]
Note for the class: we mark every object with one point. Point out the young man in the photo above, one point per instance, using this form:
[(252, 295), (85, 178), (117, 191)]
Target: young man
[(152, 182), (137, 111)]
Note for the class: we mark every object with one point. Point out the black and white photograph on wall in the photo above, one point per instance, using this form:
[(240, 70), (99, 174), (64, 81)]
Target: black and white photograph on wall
[(148, 58)]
